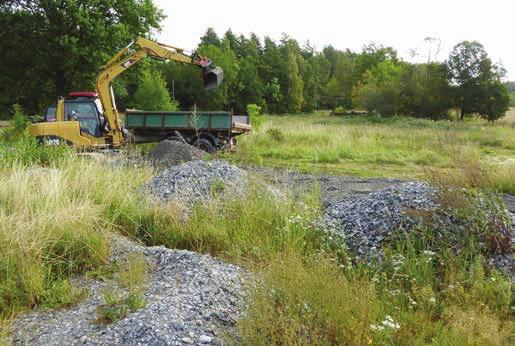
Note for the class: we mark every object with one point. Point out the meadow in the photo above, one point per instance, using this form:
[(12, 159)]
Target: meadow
[(373, 146), (57, 210)]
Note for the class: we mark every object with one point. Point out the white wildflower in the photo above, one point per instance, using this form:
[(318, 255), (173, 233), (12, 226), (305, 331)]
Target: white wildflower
[(390, 323), (376, 327)]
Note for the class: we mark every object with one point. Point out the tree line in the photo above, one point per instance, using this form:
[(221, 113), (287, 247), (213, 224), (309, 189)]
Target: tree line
[(50, 48)]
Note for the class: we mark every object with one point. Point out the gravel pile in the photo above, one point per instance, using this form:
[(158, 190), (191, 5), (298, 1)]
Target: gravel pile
[(171, 153), (191, 299), (364, 221), (195, 181)]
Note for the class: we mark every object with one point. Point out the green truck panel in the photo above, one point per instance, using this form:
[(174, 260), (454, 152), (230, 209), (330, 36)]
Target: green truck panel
[(178, 120)]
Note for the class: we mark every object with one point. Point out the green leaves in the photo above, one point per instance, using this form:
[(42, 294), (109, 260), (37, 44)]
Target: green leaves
[(152, 94), (477, 81)]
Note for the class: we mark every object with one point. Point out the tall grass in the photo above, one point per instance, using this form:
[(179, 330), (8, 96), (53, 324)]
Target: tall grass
[(427, 289), (375, 146), (53, 224)]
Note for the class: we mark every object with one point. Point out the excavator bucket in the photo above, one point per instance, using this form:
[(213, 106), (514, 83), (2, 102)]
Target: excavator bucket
[(213, 78)]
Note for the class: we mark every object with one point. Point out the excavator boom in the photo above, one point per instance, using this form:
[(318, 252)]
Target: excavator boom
[(74, 119), (127, 57)]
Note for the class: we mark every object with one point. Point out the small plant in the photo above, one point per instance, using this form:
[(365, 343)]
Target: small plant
[(217, 188), (125, 294), (275, 134), (256, 119), (18, 125)]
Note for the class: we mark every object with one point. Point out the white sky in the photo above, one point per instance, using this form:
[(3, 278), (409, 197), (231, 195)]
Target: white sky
[(402, 24)]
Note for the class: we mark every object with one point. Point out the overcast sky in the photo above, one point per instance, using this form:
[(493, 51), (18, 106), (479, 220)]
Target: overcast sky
[(402, 24)]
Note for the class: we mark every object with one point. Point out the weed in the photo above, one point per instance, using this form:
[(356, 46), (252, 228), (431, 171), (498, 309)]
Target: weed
[(124, 294), (217, 188), (275, 134)]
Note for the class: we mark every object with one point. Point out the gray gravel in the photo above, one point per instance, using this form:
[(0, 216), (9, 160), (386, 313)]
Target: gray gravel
[(364, 221), (196, 181), (191, 299), (171, 153)]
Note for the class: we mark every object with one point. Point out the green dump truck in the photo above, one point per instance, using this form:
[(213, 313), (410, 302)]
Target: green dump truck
[(207, 130)]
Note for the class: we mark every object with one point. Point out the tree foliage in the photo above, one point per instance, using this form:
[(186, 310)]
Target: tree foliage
[(61, 45), (477, 81), (49, 48), (152, 93)]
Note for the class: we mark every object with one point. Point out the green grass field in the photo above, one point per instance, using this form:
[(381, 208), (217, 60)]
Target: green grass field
[(56, 211), (374, 146)]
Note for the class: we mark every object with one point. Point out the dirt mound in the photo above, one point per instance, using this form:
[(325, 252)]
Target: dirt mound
[(172, 153)]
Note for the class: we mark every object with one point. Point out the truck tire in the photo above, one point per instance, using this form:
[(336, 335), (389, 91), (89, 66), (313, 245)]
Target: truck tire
[(204, 144)]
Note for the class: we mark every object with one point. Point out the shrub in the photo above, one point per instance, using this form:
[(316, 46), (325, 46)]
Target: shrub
[(256, 119), (18, 125), (275, 134)]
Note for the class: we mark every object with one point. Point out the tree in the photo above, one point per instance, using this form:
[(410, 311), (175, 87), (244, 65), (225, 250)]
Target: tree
[(295, 84), (380, 89), (152, 94), (224, 57), (210, 38), (425, 90), (60, 45), (477, 81), (340, 86)]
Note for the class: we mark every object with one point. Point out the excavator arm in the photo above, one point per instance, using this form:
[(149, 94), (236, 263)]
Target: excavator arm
[(129, 56)]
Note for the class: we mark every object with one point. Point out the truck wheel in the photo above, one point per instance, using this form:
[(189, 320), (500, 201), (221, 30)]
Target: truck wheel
[(204, 144)]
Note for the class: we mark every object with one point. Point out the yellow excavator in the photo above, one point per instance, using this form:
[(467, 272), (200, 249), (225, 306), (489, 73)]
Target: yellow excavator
[(90, 120)]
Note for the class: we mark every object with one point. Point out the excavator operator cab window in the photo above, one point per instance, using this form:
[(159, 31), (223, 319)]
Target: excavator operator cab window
[(50, 114), (86, 114)]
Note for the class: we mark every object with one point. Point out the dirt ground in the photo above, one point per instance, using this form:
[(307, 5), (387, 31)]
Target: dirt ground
[(334, 188)]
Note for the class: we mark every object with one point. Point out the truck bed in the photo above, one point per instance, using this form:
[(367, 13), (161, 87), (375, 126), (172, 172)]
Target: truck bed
[(150, 126)]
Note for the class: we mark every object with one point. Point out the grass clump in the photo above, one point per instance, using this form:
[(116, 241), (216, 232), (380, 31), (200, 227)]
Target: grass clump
[(125, 292), (307, 300), (249, 228), (47, 233)]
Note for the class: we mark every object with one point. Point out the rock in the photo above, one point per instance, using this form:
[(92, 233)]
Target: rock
[(187, 340), (364, 221), (204, 339)]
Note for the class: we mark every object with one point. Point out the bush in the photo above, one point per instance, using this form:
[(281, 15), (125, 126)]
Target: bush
[(18, 125), (256, 119), (275, 134), (152, 94), (25, 151)]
